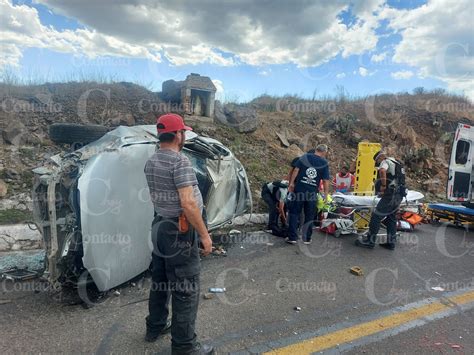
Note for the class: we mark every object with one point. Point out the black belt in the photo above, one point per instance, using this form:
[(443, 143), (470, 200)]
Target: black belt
[(161, 218)]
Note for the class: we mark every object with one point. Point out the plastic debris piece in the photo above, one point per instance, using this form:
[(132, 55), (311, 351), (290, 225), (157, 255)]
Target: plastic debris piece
[(437, 273), (219, 251), (357, 270), (297, 309), (437, 288), (116, 293), (456, 346), (19, 275), (217, 289)]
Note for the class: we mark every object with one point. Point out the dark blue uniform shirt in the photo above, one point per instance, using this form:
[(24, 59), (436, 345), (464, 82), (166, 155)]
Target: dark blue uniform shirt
[(313, 169)]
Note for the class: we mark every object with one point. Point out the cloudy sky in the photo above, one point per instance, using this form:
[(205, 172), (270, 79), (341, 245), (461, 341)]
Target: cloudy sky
[(248, 47)]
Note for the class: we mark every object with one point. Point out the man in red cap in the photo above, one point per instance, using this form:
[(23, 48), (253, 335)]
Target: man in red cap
[(178, 222)]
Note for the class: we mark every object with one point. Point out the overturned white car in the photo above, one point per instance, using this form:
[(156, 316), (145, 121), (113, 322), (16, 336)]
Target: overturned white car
[(94, 210)]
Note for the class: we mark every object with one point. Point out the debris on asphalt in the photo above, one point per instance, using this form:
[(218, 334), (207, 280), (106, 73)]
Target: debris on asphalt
[(135, 302), (297, 309), (270, 244), (116, 293), (133, 284), (5, 301), (219, 250), (217, 290), (456, 346), (19, 275), (356, 270), (208, 296), (437, 288), (234, 231), (437, 273)]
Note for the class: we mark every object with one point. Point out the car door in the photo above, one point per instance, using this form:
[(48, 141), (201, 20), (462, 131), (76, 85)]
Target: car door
[(460, 176)]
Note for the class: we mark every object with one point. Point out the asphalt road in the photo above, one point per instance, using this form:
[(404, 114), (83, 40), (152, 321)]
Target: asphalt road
[(265, 280)]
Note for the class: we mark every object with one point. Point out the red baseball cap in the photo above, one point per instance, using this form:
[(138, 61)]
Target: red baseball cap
[(171, 122)]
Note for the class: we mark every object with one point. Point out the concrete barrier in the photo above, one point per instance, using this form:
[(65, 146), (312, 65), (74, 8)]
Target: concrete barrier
[(16, 237), (254, 218)]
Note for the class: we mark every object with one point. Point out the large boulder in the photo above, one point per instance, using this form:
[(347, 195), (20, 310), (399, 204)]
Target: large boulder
[(123, 119), (243, 118), (219, 113), (15, 133)]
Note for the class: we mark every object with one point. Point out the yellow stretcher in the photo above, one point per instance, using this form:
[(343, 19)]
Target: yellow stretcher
[(365, 177)]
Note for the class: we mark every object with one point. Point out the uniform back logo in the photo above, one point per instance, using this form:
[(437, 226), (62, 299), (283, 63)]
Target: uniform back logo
[(311, 173)]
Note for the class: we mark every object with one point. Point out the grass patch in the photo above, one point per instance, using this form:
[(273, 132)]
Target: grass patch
[(13, 216)]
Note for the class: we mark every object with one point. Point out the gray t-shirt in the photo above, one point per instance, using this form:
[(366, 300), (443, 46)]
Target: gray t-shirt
[(282, 191), (167, 171)]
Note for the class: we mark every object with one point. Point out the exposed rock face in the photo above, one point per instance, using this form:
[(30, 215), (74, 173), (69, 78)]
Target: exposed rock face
[(219, 113), (125, 119), (244, 119), (3, 189), (14, 133)]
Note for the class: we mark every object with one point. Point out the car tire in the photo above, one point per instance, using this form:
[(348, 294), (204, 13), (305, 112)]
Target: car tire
[(71, 133)]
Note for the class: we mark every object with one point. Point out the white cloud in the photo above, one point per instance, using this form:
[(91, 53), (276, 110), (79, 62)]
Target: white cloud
[(10, 56), (363, 71), (20, 28), (265, 72), (341, 75), (437, 38), (254, 33), (380, 57), (402, 74), (220, 93)]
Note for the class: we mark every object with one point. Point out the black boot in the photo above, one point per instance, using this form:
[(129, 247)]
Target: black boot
[(366, 242), (390, 244), (152, 336)]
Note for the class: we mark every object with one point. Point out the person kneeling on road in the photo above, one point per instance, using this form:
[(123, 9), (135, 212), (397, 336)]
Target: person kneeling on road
[(310, 169), (274, 194), (390, 186)]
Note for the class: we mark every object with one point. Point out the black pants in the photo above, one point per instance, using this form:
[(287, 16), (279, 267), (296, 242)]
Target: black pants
[(175, 274), (271, 201), (306, 202), (387, 207)]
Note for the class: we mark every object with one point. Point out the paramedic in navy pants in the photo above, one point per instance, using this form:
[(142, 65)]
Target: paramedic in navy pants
[(310, 169)]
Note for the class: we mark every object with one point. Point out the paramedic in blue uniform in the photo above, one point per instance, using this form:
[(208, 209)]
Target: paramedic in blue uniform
[(310, 169)]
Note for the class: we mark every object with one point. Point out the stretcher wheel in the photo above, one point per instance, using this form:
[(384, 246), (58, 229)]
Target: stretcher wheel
[(337, 233)]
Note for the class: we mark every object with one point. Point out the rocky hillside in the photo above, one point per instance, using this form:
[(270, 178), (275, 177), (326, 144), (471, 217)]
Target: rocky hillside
[(415, 128)]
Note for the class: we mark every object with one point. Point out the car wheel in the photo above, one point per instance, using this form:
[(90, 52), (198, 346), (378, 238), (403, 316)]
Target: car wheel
[(71, 133)]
